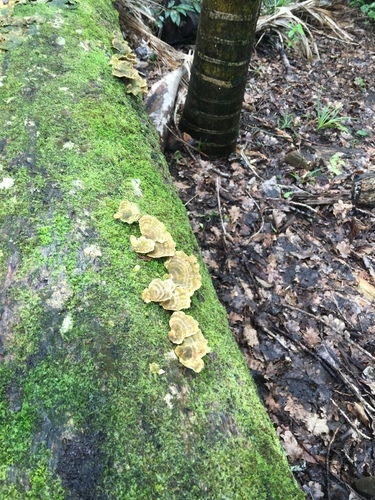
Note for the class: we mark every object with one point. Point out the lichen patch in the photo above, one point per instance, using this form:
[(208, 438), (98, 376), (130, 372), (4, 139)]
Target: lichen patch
[(60, 295)]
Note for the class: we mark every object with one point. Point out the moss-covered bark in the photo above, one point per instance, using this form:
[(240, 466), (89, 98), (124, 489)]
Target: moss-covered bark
[(82, 416)]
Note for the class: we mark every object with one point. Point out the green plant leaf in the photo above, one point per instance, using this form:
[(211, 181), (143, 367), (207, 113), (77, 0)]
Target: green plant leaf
[(334, 164), (288, 194), (175, 17), (362, 133)]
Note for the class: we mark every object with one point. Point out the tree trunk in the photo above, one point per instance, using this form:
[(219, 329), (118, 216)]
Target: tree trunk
[(93, 403), (222, 54)]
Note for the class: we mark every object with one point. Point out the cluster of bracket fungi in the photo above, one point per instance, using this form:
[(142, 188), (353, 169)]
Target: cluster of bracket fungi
[(174, 292), (123, 66)]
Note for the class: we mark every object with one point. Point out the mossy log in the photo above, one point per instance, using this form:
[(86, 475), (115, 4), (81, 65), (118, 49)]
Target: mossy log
[(82, 416)]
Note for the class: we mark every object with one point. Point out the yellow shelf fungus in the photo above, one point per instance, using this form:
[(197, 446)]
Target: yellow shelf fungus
[(184, 270), (192, 350), (166, 249), (128, 212), (173, 293), (159, 290), (182, 326), (153, 229), (180, 300), (142, 244), (123, 66)]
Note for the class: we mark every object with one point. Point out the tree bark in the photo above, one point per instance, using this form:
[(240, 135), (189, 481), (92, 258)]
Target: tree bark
[(222, 54), (363, 190), (82, 415)]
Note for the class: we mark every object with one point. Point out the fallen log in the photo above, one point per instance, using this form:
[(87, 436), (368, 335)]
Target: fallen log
[(94, 403)]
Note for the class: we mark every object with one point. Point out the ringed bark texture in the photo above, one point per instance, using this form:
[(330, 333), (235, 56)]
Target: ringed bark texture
[(224, 43)]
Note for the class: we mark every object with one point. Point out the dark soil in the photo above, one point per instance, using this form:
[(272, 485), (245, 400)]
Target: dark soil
[(292, 259)]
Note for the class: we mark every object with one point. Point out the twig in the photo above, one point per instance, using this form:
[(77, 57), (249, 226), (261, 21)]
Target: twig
[(327, 461), (188, 146), (262, 225), (349, 340), (360, 348), (271, 334), (191, 199), (298, 204), (248, 164), (333, 474), (332, 366), (254, 200), (314, 316), (219, 172), (259, 231), (352, 425), (366, 212), (218, 183), (284, 58)]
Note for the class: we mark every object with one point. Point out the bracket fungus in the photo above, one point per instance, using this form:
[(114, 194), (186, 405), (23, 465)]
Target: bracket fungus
[(122, 47), (152, 228), (191, 352), (173, 293), (158, 291), (182, 326), (123, 66), (166, 249), (180, 300), (128, 212), (184, 270), (142, 244)]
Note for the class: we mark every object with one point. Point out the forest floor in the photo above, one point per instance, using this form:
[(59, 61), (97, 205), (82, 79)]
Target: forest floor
[(291, 258)]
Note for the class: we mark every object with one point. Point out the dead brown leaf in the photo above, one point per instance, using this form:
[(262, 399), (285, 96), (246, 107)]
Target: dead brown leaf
[(365, 288), (250, 335), (311, 336), (291, 446)]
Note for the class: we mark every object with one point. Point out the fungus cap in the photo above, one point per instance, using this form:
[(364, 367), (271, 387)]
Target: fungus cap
[(152, 228), (166, 249), (158, 290), (180, 300), (192, 350), (128, 212), (122, 66), (196, 365), (182, 326), (184, 270), (142, 244)]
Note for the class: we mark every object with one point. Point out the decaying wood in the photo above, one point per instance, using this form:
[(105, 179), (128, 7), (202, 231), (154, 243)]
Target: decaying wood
[(161, 99), (363, 190)]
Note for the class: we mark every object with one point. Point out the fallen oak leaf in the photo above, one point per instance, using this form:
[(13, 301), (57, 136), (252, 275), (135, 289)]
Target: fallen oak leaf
[(316, 425), (291, 446), (343, 249)]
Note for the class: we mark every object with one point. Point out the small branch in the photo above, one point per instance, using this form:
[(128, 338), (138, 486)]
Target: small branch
[(248, 164), (218, 183), (327, 460), (271, 334), (284, 59), (314, 316), (297, 204), (352, 425), (191, 199), (219, 172)]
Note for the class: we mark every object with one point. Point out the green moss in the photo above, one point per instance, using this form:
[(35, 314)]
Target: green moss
[(78, 339)]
